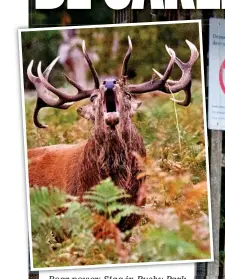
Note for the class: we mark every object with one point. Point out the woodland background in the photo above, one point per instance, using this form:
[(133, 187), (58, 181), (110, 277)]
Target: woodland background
[(148, 43)]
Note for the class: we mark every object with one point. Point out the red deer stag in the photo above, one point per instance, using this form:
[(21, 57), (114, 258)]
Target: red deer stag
[(114, 140)]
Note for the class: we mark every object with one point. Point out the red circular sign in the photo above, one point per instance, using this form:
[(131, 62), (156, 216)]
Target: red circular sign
[(222, 68)]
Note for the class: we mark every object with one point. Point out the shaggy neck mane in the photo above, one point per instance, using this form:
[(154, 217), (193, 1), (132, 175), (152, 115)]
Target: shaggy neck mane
[(112, 157)]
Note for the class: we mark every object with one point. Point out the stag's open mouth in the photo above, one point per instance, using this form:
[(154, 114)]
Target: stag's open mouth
[(111, 108)]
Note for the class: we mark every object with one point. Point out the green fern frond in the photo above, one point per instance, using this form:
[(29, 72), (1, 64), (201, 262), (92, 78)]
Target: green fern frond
[(108, 200), (77, 219), (43, 203)]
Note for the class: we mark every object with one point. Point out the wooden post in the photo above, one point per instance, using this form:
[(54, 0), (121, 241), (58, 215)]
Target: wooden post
[(215, 183)]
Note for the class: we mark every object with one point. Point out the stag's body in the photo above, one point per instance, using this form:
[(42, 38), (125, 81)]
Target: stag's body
[(58, 165), (76, 168), (114, 145)]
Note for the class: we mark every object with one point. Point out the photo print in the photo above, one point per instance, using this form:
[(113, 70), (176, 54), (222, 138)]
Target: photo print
[(116, 145)]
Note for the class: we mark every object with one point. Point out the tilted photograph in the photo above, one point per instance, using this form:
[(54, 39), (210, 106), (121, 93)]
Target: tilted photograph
[(115, 145)]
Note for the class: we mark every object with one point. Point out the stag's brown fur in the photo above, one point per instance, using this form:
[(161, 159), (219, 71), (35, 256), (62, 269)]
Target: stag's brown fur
[(109, 152), (76, 168), (54, 166)]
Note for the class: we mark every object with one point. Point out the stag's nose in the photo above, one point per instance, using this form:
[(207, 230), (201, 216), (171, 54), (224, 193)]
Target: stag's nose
[(111, 106), (109, 84)]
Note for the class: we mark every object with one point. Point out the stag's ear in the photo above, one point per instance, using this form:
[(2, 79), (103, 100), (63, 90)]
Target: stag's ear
[(135, 104), (85, 111)]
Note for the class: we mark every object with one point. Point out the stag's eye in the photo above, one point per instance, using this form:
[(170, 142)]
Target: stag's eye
[(128, 96), (93, 97)]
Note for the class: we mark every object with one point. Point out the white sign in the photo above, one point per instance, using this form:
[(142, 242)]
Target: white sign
[(216, 105)]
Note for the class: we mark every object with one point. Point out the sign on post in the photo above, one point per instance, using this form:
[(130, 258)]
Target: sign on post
[(216, 104)]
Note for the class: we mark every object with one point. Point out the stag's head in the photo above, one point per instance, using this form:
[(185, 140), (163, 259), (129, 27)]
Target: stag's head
[(112, 101), (113, 98)]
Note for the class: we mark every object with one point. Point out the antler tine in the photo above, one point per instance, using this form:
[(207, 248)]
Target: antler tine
[(62, 95), (44, 99), (155, 84), (194, 53), (46, 73), (187, 99), (170, 65), (76, 85), (90, 64), (42, 92), (43, 87), (30, 75), (127, 58), (184, 83), (50, 67), (41, 104)]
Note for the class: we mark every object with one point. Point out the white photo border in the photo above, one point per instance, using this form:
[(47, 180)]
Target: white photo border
[(20, 31)]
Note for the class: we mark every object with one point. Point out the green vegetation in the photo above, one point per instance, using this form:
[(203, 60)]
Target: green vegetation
[(174, 221), (148, 49)]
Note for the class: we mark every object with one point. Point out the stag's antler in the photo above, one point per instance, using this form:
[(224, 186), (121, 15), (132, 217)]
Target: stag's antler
[(163, 84), (126, 59), (43, 88)]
